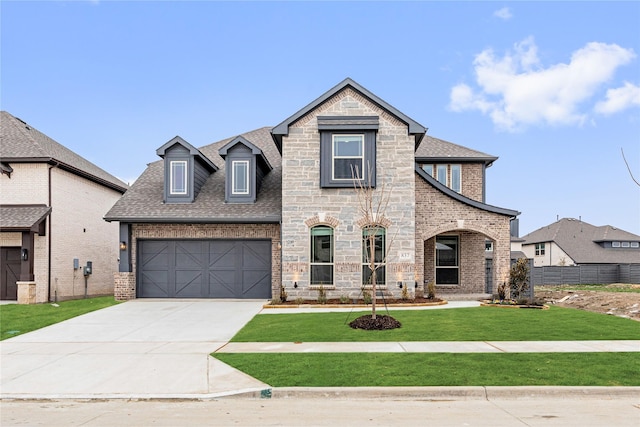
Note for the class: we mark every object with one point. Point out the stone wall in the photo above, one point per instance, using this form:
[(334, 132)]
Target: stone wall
[(304, 202)]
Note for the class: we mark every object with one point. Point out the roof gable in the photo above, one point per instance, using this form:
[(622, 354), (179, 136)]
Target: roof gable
[(22, 143), (262, 160), (162, 151), (282, 129)]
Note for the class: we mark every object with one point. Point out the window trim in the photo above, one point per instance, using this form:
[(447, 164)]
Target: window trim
[(172, 176), (247, 164), (331, 256), (457, 260), (326, 159)]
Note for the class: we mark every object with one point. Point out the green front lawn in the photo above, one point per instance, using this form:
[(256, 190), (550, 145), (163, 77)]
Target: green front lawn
[(438, 369), (18, 319), (460, 324)]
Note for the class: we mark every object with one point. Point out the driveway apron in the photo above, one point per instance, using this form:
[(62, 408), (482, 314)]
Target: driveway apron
[(140, 348)]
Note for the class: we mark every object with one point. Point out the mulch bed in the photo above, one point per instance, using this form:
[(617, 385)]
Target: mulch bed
[(381, 322), (379, 301)]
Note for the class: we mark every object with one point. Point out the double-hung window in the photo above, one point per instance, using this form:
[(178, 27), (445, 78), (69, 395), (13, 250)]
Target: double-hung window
[(539, 249), (178, 177), (347, 157), (447, 260), (321, 255), (449, 175), (373, 249), (347, 151), (240, 177)]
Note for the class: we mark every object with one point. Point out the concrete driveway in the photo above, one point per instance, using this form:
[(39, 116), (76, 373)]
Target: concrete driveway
[(138, 349)]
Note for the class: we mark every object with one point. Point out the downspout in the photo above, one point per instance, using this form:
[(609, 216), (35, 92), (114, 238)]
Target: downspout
[(49, 251)]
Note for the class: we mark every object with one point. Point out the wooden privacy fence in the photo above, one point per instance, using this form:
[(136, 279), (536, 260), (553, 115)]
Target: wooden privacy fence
[(586, 274)]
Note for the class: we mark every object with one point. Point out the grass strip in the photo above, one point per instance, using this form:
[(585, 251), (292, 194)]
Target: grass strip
[(438, 369), (17, 319), (460, 324)]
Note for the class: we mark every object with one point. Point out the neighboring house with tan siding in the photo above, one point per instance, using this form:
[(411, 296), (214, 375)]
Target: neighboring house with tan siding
[(275, 207), (52, 202), (571, 241)]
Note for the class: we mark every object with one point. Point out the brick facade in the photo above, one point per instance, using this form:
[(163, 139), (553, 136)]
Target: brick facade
[(125, 283), (438, 214)]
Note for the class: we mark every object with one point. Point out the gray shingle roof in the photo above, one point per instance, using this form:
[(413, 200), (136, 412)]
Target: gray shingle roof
[(20, 142), (435, 149), (22, 217), (579, 240), (144, 200)]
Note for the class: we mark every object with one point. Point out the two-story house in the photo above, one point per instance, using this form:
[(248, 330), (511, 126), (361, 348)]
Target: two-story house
[(52, 202), (279, 207)]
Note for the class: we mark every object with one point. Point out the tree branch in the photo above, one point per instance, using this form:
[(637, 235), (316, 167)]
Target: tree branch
[(628, 168)]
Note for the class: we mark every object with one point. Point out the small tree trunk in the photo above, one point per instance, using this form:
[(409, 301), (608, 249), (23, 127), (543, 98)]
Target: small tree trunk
[(372, 265)]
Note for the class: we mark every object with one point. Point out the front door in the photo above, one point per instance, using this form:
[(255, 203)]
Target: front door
[(9, 273)]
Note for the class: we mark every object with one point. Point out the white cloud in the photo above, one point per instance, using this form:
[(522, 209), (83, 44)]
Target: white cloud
[(516, 90), (504, 13), (619, 99)]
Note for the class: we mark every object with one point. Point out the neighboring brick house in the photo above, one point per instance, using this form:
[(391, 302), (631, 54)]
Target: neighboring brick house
[(571, 241), (277, 207), (52, 202)]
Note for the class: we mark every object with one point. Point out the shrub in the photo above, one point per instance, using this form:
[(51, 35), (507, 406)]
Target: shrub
[(431, 290), (519, 278), (502, 291), (404, 296), (366, 296), (299, 300), (322, 295), (283, 294), (344, 299)]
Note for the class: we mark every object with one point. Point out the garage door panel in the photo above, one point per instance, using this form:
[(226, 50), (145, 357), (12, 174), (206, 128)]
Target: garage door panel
[(256, 284), (154, 284), (205, 268), (188, 284)]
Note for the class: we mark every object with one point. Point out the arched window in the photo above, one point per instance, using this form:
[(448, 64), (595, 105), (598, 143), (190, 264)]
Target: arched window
[(321, 255), (373, 248)]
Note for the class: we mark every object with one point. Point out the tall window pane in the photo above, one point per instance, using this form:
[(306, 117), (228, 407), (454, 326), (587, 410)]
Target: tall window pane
[(441, 174), (456, 178), (373, 243), (321, 255), (178, 177), (240, 177), (447, 260)]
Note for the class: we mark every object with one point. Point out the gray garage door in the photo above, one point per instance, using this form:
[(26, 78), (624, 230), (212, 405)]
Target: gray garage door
[(204, 269)]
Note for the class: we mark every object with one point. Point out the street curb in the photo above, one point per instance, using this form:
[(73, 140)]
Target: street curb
[(370, 393)]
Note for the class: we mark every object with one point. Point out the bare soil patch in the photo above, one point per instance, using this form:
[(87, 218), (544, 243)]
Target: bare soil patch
[(607, 301)]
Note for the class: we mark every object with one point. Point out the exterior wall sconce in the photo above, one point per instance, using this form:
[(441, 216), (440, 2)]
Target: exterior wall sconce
[(400, 285), (295, 285), (24, 254), (123, 246)]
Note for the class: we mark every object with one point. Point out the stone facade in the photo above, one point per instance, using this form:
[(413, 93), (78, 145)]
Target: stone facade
[(305, 202)]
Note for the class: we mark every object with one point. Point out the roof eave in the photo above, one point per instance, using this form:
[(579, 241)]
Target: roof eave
[(273, 219)]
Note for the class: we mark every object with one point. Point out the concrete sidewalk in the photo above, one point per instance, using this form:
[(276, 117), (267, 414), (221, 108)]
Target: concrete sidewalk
[(434, 347)]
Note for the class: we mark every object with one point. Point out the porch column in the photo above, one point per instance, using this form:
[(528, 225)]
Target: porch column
[(501, 261)]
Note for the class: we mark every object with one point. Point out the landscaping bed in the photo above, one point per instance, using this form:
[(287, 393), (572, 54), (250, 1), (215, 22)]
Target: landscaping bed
[(359, 303)]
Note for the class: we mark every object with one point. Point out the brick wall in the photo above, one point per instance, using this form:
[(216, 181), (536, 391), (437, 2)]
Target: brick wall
[(125, 283), (438, 214), (304, 201)]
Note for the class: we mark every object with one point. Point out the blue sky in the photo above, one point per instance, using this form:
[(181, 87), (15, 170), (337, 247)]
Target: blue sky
[(551, 88)]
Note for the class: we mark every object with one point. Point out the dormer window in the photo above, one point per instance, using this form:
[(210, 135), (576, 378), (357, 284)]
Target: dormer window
[(186, 170), (178, 177), (246, 167), (240, 177)]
